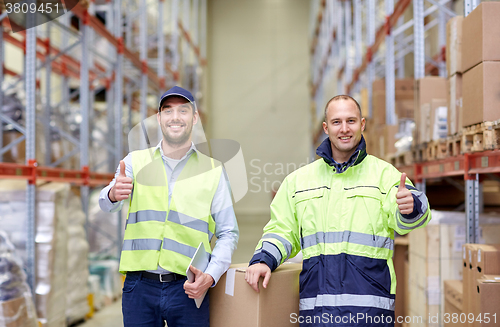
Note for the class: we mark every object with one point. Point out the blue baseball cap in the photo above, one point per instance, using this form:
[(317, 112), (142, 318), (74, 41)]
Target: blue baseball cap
[(180, 92)]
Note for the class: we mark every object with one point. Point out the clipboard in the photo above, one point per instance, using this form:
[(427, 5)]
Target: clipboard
[(199, 261)]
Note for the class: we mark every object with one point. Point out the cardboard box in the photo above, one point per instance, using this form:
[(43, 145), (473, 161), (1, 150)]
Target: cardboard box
[(371, 137), (404, 109), (364, 103), (453, 301), (491, 193), (438, 127), (454, 45), (488, 301), (399, 259), (404, 94), (481, 96), (455, 104), (485, 261), (426, 89), (388, 140), (468, 279), (424, 123), (405, 84), (406, 281), (480, 35), (234, 303), (18, 312)]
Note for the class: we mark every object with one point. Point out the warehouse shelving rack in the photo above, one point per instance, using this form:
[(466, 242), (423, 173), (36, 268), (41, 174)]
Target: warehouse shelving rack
[(338, 51), (125, 68)]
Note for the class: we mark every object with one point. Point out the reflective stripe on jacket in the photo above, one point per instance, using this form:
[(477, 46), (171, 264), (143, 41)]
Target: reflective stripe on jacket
[(167, 235)]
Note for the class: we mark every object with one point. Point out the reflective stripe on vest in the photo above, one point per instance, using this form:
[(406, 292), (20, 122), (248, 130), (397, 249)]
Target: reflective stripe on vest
[(182, 219), (146, 215), (141, 244), (352, 300)]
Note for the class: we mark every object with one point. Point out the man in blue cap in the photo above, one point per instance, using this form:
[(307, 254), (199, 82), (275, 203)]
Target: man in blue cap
[(179, 199)]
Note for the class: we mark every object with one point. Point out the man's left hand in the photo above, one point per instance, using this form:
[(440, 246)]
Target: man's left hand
[(404, 197), (201, 283)]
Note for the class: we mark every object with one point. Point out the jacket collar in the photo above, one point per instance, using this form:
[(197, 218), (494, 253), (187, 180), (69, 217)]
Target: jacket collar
[(325, 152)]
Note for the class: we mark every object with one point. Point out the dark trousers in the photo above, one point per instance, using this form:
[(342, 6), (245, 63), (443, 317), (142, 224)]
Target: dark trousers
[(150, 303)]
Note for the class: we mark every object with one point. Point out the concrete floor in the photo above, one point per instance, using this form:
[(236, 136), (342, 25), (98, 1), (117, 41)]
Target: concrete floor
[(250, 233)]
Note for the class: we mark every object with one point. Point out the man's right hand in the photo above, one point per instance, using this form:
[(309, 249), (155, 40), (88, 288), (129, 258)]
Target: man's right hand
[(253, 274), (123, 186)]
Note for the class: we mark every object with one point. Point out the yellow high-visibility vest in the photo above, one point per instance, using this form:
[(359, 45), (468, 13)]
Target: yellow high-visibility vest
[(167, 235)]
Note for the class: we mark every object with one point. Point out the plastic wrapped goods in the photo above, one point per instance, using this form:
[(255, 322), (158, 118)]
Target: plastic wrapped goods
[(51, 242), (16, 304), (78, 267)]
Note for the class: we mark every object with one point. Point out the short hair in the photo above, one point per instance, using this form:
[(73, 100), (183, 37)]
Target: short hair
[(343, 97)]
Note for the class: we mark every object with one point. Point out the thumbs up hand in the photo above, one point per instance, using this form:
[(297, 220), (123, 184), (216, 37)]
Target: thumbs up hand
[(123, 186), (404, 197)]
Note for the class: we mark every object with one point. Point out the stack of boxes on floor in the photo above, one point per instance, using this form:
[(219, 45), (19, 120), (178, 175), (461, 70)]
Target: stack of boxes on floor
[(481, 285), (435, 270)]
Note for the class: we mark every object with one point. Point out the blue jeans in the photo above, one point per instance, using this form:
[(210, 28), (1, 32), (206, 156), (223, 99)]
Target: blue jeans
[(150, 303)]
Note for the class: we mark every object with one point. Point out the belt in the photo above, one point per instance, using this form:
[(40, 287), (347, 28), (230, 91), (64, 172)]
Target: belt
[(165, 278)]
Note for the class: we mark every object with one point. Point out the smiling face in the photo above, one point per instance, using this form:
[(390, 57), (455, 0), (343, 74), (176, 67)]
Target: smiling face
[(344, 125), (176, 120)]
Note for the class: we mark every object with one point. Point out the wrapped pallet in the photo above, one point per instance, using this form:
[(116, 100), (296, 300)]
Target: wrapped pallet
[(16, 304), (77, 306), (102, 225), (51, 242)]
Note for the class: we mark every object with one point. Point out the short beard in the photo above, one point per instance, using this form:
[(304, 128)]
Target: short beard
[(177, 142)]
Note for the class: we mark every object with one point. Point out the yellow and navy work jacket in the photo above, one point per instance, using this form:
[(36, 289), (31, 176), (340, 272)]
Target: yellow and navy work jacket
[(343, 218), (159, 234)]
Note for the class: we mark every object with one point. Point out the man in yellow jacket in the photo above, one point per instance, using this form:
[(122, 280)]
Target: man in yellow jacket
[(179, 199), (341, 211)]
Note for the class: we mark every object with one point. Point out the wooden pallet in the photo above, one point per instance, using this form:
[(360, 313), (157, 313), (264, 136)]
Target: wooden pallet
[(454, 143), (480, 137), (491, 135), (419, 152), (437, 149), (401, 159)]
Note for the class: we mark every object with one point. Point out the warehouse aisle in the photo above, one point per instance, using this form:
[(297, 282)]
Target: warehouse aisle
[(250, 233), (110, 316)]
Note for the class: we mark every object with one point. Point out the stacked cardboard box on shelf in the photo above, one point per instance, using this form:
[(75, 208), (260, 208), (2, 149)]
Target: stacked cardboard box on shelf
[(427, 90), (381, 138), (481, 64), (429, 268)]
